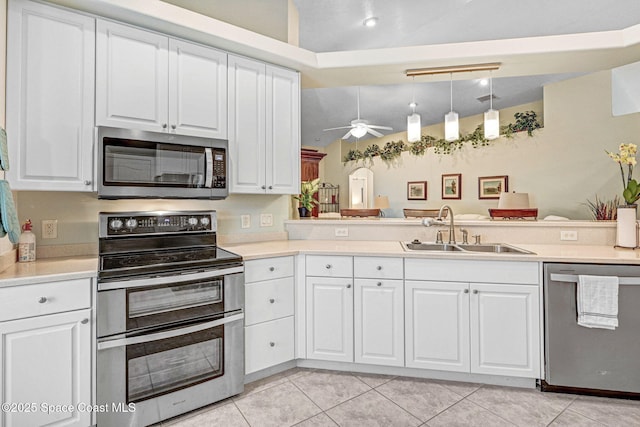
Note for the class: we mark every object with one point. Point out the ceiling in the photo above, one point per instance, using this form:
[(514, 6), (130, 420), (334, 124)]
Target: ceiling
[(337, 25)]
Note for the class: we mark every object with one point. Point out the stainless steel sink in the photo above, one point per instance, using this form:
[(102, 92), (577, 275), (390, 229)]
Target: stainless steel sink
[(496, 248), (413, 246)]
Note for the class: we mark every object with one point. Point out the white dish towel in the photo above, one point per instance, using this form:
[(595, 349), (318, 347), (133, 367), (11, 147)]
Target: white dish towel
[(597, 301)]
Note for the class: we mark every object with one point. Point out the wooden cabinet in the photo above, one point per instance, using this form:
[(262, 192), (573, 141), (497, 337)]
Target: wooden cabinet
[(310, 170), (269, 322), (264, 128), (465, 326), (150, 82), (50, 98), (46, 359)]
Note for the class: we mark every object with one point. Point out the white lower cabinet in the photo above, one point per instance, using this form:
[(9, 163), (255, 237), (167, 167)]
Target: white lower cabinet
[(46, 362), (437, 325), (480, 328), (330, 318), (269, 323), (379, 322)]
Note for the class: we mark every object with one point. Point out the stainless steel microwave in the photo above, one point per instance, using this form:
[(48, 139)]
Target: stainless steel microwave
[(140, 164)]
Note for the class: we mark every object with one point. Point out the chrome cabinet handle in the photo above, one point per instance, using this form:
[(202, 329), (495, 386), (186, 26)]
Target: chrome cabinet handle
[(272, 344), (466, 291), (164, 126), (379, 283), (272, 268), (328, 266), (173, 127), (84, 321), (475, 291), (264, 187), (348, 286), (42, 300), (271, 187), (271, 300), (87, 182), (379, 268)]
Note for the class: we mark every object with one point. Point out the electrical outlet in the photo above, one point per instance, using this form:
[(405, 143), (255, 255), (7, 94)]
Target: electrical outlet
[(245, 221), (341, 232), (49, 228), (266, 220), (568, 235)]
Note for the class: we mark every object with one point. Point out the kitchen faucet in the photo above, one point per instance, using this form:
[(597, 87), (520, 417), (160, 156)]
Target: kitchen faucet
[(427, 222)]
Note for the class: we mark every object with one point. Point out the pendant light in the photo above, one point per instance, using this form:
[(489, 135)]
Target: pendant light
[(413, 120), (491, 117), (451, 125)]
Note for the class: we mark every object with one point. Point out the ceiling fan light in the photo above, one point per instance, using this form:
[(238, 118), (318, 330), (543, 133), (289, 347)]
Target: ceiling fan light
[(491, 124), (451, 126), (359, 131), (413, 127)]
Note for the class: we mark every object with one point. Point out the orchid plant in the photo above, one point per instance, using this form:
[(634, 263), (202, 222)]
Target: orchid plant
[(627, 156)]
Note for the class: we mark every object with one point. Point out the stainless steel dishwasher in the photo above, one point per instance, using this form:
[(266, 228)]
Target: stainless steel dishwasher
[(588, 360)]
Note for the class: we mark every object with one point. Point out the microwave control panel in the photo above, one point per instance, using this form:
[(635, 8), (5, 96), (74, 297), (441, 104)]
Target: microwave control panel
[(219, 168)]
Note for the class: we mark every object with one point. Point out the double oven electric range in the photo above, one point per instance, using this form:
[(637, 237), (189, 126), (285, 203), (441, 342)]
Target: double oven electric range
[(170, 302)]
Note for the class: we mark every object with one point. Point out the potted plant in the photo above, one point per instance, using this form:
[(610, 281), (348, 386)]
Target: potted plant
[(307, 190), (627, 236)]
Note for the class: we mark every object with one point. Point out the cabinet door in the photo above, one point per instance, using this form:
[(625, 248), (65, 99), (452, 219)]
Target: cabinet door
[(247, 123), (50, 86), (437, 325), (329, 319), (505, 334), (379, 322), (47, 360), (132, 70), (197, 90), (283, 131)]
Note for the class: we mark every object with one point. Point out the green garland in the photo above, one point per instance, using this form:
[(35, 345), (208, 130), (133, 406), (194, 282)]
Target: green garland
[(527, 121)]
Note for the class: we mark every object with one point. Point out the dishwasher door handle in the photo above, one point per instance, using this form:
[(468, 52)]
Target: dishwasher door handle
[(573, 278)]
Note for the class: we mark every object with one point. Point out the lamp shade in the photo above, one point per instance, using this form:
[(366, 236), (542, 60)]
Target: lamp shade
[(413, 127), (359, 131), (513, 201), (451, 126), (492, 124), (381, 202)]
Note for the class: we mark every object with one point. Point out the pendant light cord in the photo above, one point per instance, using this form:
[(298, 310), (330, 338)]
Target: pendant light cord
[(451, 89), (490, 91), (413, 93)]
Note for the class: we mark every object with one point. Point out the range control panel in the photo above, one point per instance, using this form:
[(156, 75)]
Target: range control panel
[(155, 223)]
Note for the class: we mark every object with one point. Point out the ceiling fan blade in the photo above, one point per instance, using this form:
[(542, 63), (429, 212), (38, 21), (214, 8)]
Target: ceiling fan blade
[(380, 127), (346, 135), (374, 132), (341, 127)]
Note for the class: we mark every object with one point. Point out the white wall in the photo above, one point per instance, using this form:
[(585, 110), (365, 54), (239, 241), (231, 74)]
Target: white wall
[(561, 166)]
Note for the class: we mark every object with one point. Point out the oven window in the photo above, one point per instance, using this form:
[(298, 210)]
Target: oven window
[(141, 163), (172, 303), (163, 366)]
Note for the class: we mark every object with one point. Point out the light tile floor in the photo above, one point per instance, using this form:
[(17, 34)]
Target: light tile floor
[(318, 398)]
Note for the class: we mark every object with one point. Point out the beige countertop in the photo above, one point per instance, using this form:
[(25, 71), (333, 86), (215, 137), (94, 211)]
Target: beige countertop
[(49, 269), (55, 269), (546, 253)]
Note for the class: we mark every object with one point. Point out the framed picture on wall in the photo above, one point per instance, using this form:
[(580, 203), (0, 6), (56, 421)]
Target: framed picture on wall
[(417, 190), (490, 187), (452, 186)]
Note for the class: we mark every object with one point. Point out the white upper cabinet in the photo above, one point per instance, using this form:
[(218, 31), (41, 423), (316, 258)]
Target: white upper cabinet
[(147, 81), (50, 98), (264, 128)]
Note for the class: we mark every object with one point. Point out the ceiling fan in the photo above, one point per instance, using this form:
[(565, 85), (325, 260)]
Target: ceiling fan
[(359, 127)]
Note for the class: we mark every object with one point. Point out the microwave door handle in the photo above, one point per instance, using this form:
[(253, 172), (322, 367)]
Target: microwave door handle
[(168, 334), (209, 168)]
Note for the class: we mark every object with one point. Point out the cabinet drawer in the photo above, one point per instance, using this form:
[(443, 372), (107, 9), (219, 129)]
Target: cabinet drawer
[(268, 300), (44, 298), (268, 268), (378, 267), (268, 344), (329, 266), (512, 272)]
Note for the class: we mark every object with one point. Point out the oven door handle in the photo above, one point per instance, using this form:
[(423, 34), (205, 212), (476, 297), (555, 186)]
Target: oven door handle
[(121, 342), (163, 280)]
